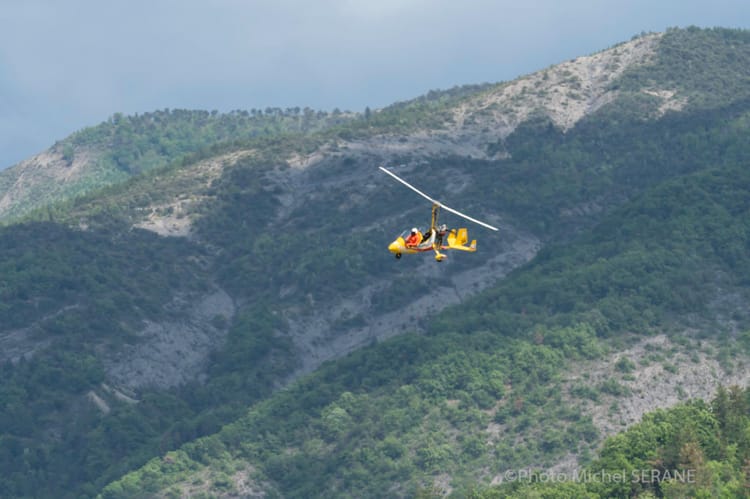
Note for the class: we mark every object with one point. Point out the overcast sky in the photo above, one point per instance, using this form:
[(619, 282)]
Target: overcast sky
[(68, 64)]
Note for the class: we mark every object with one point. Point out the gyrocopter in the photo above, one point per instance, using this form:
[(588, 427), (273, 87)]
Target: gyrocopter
[(437, 237)]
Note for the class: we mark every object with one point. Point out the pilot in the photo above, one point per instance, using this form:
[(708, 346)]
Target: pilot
[(413, 240)]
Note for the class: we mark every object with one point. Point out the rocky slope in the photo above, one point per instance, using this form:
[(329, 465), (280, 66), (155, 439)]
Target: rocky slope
[(47, 176), (565, 93)]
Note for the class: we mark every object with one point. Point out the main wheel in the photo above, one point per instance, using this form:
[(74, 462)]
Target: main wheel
[(398, 255)]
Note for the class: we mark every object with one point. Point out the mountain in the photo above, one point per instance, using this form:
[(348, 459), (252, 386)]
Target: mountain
[(124, 146), (241, 281)]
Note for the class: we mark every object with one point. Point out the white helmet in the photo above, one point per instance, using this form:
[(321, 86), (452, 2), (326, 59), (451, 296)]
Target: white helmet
[(414, 230)]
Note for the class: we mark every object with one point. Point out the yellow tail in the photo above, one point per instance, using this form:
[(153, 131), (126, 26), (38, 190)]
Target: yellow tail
[(457, 240)]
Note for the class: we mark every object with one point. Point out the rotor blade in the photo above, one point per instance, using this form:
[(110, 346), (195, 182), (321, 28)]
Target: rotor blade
[(467, 217), (407, 184)]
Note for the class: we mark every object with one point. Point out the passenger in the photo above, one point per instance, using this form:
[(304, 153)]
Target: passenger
[(413, 240)]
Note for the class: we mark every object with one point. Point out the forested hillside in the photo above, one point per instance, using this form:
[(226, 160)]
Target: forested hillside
[(696, 449), (221, 317), (123, 146), (483, 391)]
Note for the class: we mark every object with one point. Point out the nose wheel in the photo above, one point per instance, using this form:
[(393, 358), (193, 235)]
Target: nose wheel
[(398, 256)]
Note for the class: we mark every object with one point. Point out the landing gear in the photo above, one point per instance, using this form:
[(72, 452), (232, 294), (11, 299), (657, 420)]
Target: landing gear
[(398, 256)]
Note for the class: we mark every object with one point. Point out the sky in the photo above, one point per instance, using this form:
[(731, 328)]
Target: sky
[(69, 64)]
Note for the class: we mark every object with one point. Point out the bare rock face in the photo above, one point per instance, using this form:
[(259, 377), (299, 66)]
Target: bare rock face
[(663, 374), (30, 183), (173, 352), (174, 218), (565, 93)]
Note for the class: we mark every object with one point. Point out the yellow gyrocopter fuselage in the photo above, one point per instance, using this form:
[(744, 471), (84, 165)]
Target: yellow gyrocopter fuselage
[(434, 239)]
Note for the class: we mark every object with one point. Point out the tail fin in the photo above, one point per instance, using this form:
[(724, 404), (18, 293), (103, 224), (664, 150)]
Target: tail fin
[(463, 236), (457, 240)]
